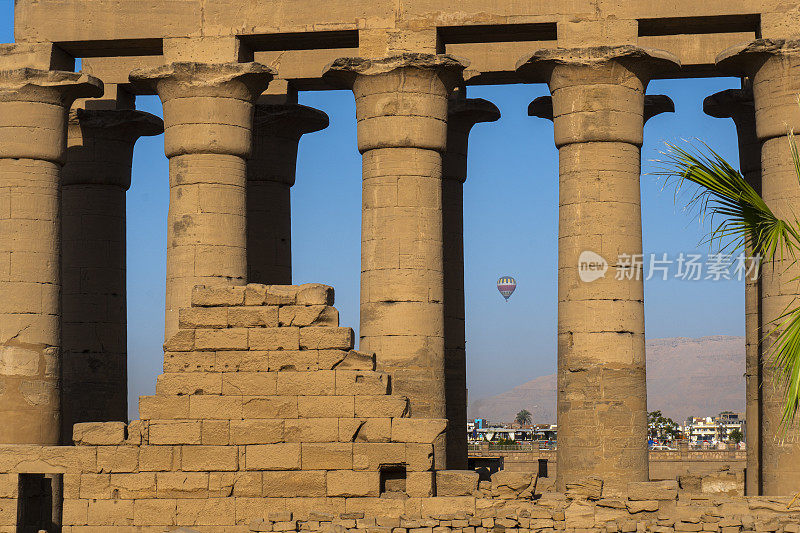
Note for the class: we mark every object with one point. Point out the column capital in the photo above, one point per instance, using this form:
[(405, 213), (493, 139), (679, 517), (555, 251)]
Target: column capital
[(344, 71), (739, 105), (654, 104), (33, 107), (462, 115), (625, 65), (208, 107), (100, 145), (290, 120), (736, 104), (746, 59), (241, 81)]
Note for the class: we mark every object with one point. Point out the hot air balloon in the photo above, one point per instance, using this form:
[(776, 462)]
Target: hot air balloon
[(506, 285)]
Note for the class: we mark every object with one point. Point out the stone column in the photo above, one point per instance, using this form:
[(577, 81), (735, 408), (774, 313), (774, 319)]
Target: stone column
[(598, 110), (774, 67), (33, 119), (462, 115), (96, 176), (401, 107), (737, 104), (270, 176), (208, 120)]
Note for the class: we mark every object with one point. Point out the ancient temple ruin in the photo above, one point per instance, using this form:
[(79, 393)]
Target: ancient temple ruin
[(266, 418)]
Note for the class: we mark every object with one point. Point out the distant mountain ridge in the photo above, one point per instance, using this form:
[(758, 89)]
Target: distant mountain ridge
[(685, 377)]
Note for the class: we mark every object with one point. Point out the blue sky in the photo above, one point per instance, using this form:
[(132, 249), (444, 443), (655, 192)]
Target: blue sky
[(510, 228)]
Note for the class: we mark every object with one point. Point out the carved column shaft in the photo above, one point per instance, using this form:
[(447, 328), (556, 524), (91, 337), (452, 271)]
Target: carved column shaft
[(737, 104), (463, 114), (774, 67), (33, 119), (598, 111), (401, 107), (270, 176), (96, 176), (208, 120)]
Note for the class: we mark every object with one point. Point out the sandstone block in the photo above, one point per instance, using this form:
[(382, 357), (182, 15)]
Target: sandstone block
[(356, 382), (208, 512), (355, 360), (175, 432), (182, 341), (325, 406), (283, 456), (182, 484), (209, 458), (217, 296), (327, 456), (117, 459), (255, 294), (365, 430), (110, 512), (249, 383), (639, 506), (275, 338), (381, 406), (221, 339), (163, 407), (326, 338), (98, 433), (215, 433), (456, 482), (420, 484), (309, 483), (311, 430), (158, 459), (688, 526), (95, 486), (578, 514), (371, 455), (308, 315), (73, 513), (133, 485), (315, 294), (420, 430), (253, 316), (203, 317), (215, 407), (256, 431), (190, 361), (293, 360), (653, 490), (269, 407), (187, 383), (135, 433), (154, 512), (590, 488), (514, 485), (350, 484), (9, 485), (319, 383), (419, 457)]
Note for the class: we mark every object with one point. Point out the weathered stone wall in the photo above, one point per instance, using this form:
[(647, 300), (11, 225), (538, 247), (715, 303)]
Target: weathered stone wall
[(266, 419)]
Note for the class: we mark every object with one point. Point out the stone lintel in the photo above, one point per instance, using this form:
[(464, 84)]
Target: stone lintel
[(343, 71), (43, 56)]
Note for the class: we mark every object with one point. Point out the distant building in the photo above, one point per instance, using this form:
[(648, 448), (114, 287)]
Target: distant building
[(712, 431)]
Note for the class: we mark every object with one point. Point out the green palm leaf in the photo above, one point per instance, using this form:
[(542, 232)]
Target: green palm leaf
[(740, 218)]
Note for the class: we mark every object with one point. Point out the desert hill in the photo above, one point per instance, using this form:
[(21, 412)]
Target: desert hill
[(685, 377)]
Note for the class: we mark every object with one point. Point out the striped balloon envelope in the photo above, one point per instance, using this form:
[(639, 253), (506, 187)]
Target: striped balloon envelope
[(506, 285)]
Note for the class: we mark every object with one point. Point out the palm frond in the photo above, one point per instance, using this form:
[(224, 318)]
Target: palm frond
[(745, 220)]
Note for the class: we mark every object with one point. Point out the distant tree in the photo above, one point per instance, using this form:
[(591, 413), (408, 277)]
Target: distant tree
[(736, 436), (523, 418), (661, 427)]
